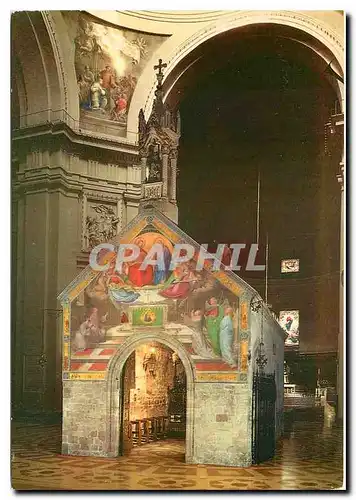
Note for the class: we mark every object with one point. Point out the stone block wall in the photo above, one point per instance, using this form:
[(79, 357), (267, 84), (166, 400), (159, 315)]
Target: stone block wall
[(222, 424), (149, 395), (84, 430)]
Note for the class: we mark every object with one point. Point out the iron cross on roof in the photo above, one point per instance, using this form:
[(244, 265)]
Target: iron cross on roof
[(159, 66)]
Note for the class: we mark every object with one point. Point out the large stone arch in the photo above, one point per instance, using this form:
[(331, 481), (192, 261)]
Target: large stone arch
[(45, 79), (114, 413), (310, 31)]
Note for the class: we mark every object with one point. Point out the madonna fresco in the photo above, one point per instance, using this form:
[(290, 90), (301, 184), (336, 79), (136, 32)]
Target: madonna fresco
[(108, 63), (183, 298)]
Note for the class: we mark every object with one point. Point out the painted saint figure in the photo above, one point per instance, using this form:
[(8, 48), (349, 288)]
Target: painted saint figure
[(119, 111), (227, 336), (90, 330), (180, 283), (98, 95), (213, 316), (160, 275), (137, 276), (200, 343)]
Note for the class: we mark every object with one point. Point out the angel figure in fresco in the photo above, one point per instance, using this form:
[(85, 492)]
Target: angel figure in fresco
[(112, 284), (180, 283), (118, 289), (90, 331), (214, 313), (160, 275), (227, 336), (98, 289), (140, 277)]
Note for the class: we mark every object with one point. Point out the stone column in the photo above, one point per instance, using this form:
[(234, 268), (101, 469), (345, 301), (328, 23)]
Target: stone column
[(165, 153), (143, 174), (120, 214), (173, 176)]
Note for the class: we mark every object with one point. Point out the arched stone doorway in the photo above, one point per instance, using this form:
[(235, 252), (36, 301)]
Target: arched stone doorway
[(115, 389)]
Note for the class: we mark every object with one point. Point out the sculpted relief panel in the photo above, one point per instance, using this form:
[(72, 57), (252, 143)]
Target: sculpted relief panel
[(108, 63)]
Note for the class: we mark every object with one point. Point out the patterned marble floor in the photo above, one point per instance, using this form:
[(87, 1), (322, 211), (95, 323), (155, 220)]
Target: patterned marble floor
[(309, 457)]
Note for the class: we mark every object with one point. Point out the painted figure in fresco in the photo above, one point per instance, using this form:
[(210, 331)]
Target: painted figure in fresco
[(200, 343), (118, 290), (137, 276), (124, 318), (85, 82), (82, 90), (90, 331), (288, 323), (88, 76), (108, 83), (227, 336), (113, 285), (108, 78), (98, 289), (98, 95), (179, 283), (120, 109), (213, 316), (160, 275)]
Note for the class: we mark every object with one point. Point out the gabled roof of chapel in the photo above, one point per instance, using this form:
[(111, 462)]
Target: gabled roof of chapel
[(152, 218)]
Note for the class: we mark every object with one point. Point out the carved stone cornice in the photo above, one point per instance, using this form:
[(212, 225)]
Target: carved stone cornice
[(102, 195), (46, 132)]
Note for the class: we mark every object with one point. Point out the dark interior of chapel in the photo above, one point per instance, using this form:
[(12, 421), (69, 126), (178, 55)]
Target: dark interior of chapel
[(256, 101)]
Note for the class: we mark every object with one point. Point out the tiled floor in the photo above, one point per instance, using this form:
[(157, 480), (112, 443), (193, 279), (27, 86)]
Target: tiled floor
[(309, 457)]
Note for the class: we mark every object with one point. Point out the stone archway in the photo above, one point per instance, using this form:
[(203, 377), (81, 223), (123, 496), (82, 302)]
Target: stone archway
[(45, 77), (114, 388), (312, 32)]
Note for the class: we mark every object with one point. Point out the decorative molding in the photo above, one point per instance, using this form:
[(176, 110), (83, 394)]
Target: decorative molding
[(217, 377), (166, 16), (152, 190), (84, 375), (50, 25), (66, 125)]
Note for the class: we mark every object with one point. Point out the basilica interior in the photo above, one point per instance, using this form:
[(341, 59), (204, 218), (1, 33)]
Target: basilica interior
[(177, 127)]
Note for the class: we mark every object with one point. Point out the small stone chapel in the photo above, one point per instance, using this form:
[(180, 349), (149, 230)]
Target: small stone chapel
[(154, 354)]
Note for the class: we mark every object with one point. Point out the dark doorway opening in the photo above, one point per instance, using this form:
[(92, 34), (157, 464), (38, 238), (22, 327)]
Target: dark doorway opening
[(153, 397)]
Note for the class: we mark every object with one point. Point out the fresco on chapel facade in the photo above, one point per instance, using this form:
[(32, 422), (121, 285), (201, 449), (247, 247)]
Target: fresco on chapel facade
[(108, 63), (194, 305)]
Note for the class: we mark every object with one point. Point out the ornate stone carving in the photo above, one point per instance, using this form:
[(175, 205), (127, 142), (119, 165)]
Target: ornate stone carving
[(153, 190), (154, 163), (158, 143), (101, 225)]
